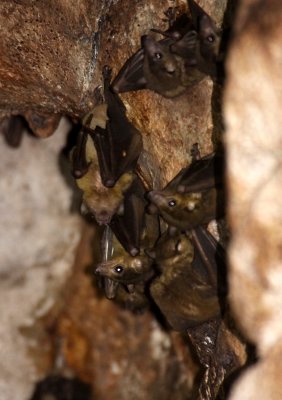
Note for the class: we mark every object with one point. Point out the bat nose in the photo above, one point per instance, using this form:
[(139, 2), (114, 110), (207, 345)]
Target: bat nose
[(98, 270), (103, 217)]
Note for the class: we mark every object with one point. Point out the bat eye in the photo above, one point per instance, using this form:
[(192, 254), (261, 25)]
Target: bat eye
[(211, 38), (158, 56), (119, 269), (171, 203)]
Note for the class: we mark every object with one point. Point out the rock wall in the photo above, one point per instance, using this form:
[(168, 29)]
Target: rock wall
[(253, 139)]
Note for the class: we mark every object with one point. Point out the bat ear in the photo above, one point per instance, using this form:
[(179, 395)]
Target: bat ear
[(151, 253), (196, 13), (207, 27), (150, 45)]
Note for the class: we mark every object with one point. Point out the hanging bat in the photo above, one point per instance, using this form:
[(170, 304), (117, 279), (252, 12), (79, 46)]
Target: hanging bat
[(125, 269), (209, 34), (154, 67), (118, 143), (130, 270), (194, 197), (13, 128), (186, 290), (133, 300), (100, 201)]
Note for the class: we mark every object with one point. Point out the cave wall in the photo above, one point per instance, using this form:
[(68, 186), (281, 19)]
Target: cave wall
[(252, 106), (51, 64)]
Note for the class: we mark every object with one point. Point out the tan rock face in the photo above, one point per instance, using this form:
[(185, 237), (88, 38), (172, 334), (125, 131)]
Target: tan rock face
[(253, 118), (52, 63)]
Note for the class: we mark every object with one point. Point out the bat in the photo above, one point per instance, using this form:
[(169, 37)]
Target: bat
[(128, 269), (209, 34), (13, 128), (124, 268), (118, 143), (186, 290), (98, 200), (132, 298), (187, 54), (194, 197), (153, 67), (162, 70)]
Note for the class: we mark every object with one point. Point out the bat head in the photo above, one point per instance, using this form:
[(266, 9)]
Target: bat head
[(209, 38), (159, 57), (175, 208), (124, 268)]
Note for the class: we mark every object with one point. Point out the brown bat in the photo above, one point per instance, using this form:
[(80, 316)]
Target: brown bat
[(194, 197), (186, 290)]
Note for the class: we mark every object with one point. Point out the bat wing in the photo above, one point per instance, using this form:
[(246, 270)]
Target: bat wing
[(197, 13), (131, 76), (201, 175), (80, 165), (210, 260), (120, 143), (128, 227)]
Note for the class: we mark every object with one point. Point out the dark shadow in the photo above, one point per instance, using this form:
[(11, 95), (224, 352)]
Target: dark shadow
[(59, 387)]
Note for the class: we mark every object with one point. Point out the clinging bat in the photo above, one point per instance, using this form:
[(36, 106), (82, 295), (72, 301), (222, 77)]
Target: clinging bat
[(118, 143), (125, 269), (130, 299), (170, 65), (156, 68), (194, 197), (130, 269), (99, 200), (209, 35), (186, 290)]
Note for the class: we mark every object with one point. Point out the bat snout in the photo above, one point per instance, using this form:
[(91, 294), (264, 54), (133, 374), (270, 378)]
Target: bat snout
[(103, 217)]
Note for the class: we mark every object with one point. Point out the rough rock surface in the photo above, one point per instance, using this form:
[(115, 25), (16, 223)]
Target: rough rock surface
[(253, 118), (51, 64), (38, 241)]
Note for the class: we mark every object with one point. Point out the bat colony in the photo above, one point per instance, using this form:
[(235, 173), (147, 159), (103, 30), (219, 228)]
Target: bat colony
[(182, 269)]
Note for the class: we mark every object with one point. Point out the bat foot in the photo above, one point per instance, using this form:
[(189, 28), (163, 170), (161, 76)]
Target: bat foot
[(107, 73), (134, 251)]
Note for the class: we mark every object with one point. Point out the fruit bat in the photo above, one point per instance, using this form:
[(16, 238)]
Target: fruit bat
[(154, 67), (209, 34), (194, 197), (125, 269), (118, 143), (13, 128), (186, 290), (133, 300), (180, 60), (100, 201), (129, 270)]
